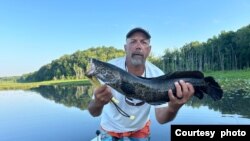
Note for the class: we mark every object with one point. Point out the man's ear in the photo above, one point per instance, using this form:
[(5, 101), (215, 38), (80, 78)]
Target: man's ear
[(149, 48), (125, 48)]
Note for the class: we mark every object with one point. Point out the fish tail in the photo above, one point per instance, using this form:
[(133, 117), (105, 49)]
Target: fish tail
[(213, 88)]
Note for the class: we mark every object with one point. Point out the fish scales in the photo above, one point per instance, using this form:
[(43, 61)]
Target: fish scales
[(151, 90)]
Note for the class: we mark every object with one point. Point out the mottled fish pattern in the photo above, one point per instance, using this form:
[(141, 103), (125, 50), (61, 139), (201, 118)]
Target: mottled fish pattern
[(151, 90)]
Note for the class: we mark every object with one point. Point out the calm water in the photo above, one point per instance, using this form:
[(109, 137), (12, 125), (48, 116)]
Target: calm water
[(59, 113)]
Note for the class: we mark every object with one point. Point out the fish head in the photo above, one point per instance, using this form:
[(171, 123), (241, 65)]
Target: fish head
[(103, 71), (90, 68), (90, 73)]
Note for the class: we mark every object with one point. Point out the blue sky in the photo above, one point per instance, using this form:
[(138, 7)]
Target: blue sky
[(35, 32)]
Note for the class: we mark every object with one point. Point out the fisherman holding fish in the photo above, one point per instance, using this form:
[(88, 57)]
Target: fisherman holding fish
[(129, 117)]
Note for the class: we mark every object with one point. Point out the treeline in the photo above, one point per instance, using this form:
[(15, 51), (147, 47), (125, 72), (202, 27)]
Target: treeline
[(227, 51), (9, 79), (71, 66)]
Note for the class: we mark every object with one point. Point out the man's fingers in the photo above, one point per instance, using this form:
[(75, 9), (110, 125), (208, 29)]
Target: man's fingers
[(190, 88), (178, 90), (103, 94), (184, 87), (100, 89), (171, 95)]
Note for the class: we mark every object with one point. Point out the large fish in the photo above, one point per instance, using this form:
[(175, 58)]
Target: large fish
[(151, 90)]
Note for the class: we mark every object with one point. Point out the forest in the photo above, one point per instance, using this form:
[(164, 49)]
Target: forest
[(227, 51)]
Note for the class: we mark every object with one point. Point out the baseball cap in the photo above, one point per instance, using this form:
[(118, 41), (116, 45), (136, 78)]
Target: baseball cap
[(138, 29)]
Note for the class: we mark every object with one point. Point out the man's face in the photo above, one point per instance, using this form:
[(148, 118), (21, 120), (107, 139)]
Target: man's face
[(137, 48)]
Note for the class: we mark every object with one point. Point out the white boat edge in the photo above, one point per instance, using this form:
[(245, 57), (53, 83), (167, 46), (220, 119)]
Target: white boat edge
[(97, 138)]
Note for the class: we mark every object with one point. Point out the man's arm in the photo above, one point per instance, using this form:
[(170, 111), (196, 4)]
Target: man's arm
[(184, 91), (102, 96)]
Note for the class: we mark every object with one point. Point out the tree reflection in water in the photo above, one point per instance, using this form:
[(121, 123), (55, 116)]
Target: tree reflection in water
[(70, 96), (233, 102)]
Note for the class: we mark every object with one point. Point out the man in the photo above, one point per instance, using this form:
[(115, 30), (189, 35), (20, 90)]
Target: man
[(115, 125)]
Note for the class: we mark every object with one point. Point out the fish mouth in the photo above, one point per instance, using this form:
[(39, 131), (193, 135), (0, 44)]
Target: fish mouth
[(90, 73), (90, 68)]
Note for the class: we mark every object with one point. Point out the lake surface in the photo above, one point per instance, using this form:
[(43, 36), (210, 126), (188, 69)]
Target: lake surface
[(59, 113)]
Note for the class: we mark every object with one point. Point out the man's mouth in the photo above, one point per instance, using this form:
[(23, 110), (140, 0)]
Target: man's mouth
[(137, 54)]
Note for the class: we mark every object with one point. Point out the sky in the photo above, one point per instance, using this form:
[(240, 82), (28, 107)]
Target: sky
[(35, 32)]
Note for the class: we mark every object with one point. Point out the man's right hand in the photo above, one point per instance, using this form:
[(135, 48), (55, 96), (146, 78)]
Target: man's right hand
[(102, 95)]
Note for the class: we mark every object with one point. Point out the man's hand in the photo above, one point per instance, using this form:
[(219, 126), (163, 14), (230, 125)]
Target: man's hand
[(102, 96), (184, 91)]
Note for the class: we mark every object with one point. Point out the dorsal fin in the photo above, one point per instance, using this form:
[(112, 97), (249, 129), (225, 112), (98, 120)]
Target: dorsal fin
[(186, 74), (178, 74)]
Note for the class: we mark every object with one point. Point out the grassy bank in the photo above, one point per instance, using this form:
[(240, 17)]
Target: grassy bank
[(24, 86), (240, 74), (223, 76), (233, 81)]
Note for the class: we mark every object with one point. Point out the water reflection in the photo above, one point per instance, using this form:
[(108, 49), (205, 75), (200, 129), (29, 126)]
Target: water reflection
[(76, 96), (233, 102)]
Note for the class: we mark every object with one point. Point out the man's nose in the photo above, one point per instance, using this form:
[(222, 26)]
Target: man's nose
[(138, 45)]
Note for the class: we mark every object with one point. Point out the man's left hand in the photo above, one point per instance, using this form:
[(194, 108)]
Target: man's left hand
[(184, 91)]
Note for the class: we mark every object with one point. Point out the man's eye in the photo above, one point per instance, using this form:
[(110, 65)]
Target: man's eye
[(144, 42), (133, 42)]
